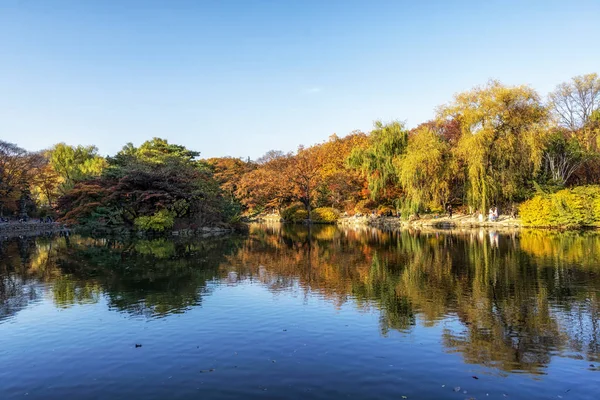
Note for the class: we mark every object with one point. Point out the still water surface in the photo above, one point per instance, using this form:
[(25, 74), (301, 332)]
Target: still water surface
[(288, 313)]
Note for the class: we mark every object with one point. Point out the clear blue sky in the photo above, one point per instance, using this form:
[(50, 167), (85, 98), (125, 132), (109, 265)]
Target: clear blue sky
[(241, 77)]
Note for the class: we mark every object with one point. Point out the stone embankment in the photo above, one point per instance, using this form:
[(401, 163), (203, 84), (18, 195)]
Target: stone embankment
[(269, 218), (457, 221), (14, 229), (204, 232)]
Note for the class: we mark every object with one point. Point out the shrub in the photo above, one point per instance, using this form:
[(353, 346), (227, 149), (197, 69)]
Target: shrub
[(364, 206), (158, 222), (325, 215), (567, 208), (294, 213)]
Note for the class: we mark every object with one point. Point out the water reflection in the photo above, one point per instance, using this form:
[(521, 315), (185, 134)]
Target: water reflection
[(508, 300)]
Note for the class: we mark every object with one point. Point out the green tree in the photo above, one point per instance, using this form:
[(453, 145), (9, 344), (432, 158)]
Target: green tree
[(386, 143), (75, 163), (152, 188)]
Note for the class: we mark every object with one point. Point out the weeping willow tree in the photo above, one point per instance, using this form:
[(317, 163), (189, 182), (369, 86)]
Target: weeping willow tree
[(426, 170), (386, 143), (502, 140)]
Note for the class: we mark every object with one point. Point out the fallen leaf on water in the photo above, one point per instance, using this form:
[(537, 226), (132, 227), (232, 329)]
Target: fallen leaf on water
[(457, 389), (475, 377)]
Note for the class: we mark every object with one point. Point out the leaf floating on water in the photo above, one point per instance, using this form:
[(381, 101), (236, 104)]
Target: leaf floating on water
[(457, 389), (404, 397), (475, 377)]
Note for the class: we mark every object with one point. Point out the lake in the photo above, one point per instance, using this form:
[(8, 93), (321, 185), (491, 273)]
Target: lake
[(288, 312)]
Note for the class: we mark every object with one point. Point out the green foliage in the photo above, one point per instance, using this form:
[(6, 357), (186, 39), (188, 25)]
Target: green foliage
[(75, 163), (376, 161), (155, 151), (160, 248), (325, 215), (567, 208), (295, 213), (157, 222), (149, 189)]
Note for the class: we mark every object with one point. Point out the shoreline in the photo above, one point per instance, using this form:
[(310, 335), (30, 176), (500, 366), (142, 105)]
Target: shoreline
[(15, 229), (457, 221)]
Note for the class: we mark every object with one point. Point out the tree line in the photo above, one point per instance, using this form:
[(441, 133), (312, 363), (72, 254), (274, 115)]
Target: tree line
[(492, 145)]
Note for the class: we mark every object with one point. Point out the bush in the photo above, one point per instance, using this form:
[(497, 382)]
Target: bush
[(364, 207), (294, 213), (567, 208), (158, 222), (325, 215)]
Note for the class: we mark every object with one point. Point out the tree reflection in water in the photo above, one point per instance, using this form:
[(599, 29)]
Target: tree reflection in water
[(520, 297)]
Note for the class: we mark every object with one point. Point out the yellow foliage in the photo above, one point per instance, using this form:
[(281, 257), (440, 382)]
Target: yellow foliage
[(294, 213), (567, 208), (325, 215)]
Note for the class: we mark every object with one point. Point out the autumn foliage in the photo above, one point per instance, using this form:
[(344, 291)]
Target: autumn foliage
[(493, 145)]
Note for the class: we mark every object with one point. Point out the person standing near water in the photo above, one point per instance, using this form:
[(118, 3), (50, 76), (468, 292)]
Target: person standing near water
[(449, 208)]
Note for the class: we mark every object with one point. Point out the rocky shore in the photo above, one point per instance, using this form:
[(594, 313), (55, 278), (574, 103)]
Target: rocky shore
[(204, 232), (13, 229), (457, 221)]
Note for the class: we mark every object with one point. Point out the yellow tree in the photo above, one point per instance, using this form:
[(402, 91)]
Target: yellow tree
[(502, 139), (426, 170)]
